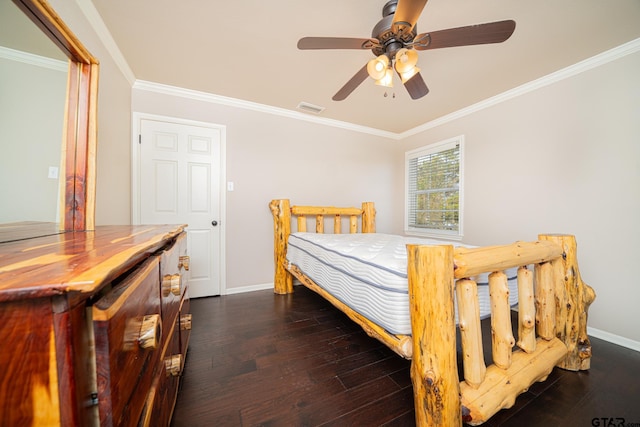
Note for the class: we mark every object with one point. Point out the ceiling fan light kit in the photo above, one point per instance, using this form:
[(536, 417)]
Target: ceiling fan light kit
[(406, 60), (387, 79), (405, 64), (395, 41), (377, 67)]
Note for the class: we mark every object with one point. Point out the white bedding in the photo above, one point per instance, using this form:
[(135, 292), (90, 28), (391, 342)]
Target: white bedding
[(368, 272)]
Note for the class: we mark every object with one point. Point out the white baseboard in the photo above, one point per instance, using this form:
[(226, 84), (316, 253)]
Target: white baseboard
[(251, 288), (613, 338)]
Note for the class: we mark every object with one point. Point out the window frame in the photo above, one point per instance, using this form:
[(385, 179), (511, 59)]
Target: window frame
[(427, 150)]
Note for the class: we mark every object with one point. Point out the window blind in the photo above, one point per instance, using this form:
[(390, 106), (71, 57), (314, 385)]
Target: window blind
[(433, 189)]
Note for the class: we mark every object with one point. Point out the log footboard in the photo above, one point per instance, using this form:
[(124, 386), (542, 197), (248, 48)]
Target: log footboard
[(553, 303)]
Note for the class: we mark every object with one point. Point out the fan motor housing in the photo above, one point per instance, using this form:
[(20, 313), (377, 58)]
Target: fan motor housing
[(391, 40)]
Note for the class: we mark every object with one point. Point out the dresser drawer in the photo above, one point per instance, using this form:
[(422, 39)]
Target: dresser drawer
[(174, 272), (128, 338), (161, 398)]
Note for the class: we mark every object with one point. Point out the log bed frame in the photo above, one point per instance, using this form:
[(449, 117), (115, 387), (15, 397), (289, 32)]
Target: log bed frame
[(552, 315)]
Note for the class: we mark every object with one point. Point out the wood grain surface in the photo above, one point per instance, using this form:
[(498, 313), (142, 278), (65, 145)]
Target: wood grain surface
[(76, 261)]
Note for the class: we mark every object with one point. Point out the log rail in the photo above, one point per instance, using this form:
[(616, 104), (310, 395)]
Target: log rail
[(553, 302), (552, 311)]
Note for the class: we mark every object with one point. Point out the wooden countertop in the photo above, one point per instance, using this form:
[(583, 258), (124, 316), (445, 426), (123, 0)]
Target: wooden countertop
[(79, 262)]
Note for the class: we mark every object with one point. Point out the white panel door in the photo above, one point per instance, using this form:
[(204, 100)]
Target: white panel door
[(180, 184)]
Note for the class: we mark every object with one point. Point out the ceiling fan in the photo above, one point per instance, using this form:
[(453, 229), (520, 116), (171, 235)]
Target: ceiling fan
[(394, 41)]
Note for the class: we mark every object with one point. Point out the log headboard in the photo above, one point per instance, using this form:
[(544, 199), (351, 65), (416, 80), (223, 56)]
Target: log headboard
[(283, 214)]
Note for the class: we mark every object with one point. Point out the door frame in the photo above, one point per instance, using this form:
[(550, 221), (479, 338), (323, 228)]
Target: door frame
[(136, 129)]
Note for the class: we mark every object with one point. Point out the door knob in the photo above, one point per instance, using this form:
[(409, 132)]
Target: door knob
[(214, 223)]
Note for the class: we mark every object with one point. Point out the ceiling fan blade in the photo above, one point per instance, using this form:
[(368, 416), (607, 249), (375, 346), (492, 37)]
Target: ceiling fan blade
[(407, 14), (492, 32), (336, 43), (352, 84), (416, 87)]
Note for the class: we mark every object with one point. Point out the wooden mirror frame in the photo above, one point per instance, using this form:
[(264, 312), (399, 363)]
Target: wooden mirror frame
[(80, 129)]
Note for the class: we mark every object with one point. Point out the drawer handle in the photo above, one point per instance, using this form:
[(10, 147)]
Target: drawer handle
[(150, 331), (183, 261), (171, 284), (173, 365), (185, 322)]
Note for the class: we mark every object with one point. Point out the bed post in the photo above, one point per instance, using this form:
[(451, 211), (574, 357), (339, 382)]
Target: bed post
[(434, 370), (368, 217), (281, 210), (574, 309)]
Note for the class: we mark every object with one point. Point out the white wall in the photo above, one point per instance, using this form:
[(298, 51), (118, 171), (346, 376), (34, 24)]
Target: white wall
[(270, 156), (562, 159)]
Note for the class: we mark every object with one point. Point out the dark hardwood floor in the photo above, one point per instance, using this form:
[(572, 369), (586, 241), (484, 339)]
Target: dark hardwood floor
[(271, 360)]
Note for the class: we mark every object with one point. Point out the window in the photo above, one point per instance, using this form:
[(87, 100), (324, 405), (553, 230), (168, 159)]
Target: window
[(433, 177)]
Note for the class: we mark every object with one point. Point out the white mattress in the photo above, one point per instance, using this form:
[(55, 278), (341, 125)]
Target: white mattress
[(368, 272)]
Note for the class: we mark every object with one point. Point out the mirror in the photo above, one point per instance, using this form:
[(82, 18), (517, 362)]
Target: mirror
[(33, 88), (34, 146)]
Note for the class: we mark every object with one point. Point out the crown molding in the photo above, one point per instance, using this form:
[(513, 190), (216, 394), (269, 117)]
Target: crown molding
[(575, 69), (32, 59), (90, 12), (254, 106), (570, 71), (94, 18)]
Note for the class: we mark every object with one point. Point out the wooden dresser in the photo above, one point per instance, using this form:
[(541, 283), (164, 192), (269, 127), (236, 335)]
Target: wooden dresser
[(94, 327)]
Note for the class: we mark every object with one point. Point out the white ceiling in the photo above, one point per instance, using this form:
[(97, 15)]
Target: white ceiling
[(246, 49)]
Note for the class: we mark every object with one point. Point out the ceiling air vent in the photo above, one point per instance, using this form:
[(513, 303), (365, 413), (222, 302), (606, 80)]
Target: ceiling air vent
[(310, 108)]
